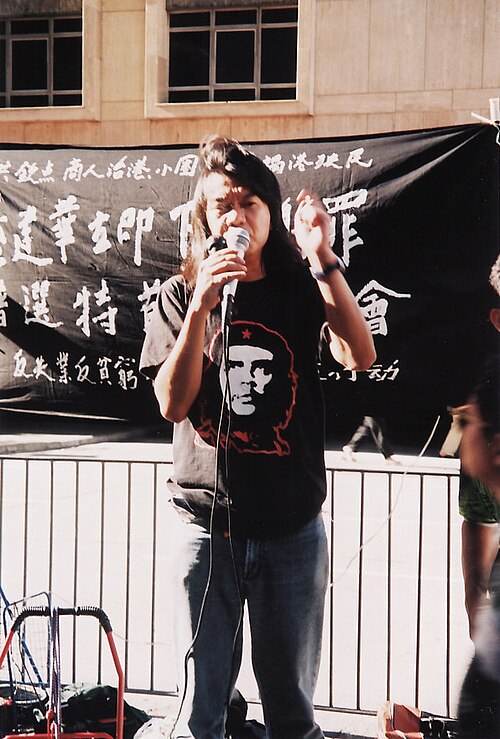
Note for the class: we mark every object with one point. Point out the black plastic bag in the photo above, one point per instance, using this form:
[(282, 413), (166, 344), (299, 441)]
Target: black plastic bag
[(93, 708)]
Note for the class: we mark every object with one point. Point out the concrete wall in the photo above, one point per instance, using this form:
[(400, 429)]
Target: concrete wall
[(365, 66)]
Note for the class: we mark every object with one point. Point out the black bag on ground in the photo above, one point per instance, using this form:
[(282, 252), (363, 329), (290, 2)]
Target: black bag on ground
[(93, 708), (16, 709)]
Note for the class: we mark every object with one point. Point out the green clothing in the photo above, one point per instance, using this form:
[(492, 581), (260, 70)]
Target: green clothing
[(475, 502)]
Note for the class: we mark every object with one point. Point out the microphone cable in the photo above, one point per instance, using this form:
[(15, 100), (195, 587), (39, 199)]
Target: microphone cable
[(226, 398)]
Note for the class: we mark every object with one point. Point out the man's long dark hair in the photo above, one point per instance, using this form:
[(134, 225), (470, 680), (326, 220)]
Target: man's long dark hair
[(227, 157)]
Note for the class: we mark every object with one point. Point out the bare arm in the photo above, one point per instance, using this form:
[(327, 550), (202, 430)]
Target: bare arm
[(179, 378), (479, 550), (351, 342)]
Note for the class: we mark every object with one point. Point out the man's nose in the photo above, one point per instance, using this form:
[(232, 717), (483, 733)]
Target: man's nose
[(236, 216)]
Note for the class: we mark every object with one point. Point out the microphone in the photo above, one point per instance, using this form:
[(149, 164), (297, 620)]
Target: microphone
[(239, 239)]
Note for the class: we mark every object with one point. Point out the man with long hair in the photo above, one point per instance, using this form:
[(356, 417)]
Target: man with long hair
[(249, 473)]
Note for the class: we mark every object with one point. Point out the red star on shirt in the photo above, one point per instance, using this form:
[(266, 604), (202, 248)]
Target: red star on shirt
[(246, 334)]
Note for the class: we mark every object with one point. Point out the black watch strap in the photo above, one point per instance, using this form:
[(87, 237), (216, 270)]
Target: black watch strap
[(330, 267)]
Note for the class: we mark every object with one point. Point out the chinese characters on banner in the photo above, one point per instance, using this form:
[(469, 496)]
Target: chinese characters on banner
[(87, 237)]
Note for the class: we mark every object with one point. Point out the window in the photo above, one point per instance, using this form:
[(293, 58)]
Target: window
[(233, 55), (40, 62)]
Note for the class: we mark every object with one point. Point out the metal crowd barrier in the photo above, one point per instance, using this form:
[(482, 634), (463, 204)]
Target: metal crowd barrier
[(92, 526)]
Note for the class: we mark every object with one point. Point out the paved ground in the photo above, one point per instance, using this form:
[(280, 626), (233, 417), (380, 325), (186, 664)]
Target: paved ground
[(166, 708)]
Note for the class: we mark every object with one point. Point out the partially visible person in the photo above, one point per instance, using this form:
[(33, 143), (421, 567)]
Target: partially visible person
[(479, 705), (375, 426), (478, 506)]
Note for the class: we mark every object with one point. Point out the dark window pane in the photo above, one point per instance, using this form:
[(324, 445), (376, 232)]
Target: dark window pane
[(29, 65), (189, 58), (2, 26), (2, 65), (188, 96), (67, 99), (230, 95), (31, 26), (235, 17), (235, 56), (3, 101), (192, 54), (68, 63), (189, 20), (67, 25), (281, 15), (277, 93), (29, 101), (279, 55)]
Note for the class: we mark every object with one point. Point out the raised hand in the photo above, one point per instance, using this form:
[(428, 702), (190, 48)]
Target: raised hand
[(312, 225)]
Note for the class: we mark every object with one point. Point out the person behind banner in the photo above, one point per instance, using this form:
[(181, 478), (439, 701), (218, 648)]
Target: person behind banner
[(249, 472)]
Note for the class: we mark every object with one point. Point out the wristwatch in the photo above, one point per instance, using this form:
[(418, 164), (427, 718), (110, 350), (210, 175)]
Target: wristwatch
[(330, 267)]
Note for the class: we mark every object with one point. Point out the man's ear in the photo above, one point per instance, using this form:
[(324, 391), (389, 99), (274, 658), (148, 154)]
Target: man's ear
[(495, 317)]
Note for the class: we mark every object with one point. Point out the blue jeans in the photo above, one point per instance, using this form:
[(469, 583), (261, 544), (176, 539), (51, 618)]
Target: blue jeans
[(283, 582)]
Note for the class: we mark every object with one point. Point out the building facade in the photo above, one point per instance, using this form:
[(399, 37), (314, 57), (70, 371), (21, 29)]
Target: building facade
[(361, 67)]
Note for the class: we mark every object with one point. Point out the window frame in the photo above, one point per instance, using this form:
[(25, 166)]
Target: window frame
[(156, 85), (215, 32), (49, 37), (91, 60)]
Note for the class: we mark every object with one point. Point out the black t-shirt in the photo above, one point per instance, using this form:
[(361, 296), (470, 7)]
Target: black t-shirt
[(271, 455)]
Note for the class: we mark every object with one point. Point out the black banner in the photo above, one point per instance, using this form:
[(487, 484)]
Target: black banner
[(87, 236)]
